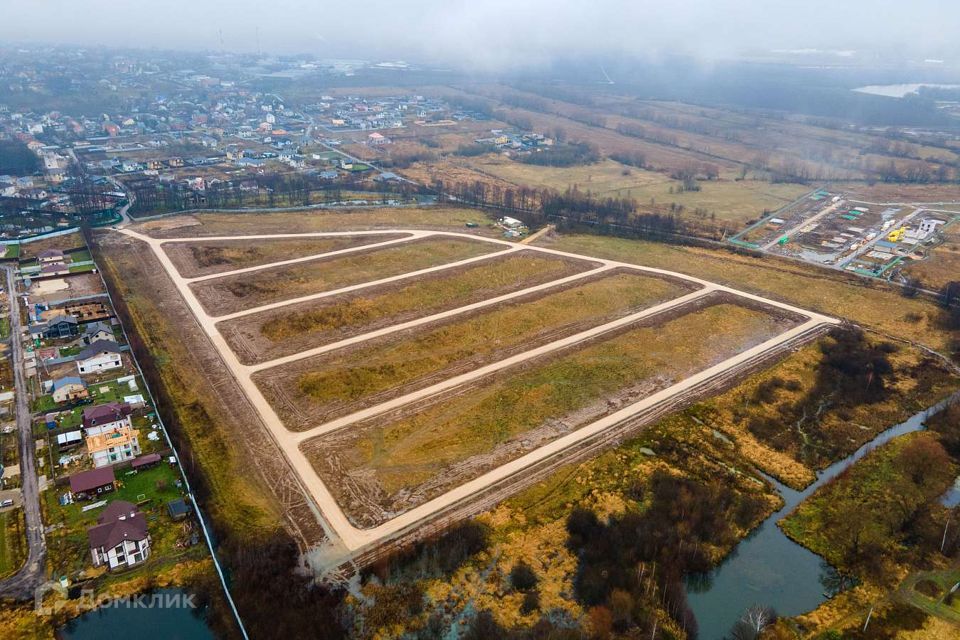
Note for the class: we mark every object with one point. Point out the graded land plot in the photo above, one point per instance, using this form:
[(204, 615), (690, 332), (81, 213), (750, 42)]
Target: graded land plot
[(58, 289), (195, 259), (389, 464), (315, 220), (729, 200), (280, 332), (310, 392), (942, 265), (871, 303), (230, 294)]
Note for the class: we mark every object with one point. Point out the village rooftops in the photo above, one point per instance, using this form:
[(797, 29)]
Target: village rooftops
[(50, 254), (65, 381), (98, 347), (89, 480), (105, 413), (128, 526), (94, 327)]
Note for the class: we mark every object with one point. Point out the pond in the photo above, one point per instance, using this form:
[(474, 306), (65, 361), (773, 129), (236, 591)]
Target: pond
[(769, 569), (171, 618)]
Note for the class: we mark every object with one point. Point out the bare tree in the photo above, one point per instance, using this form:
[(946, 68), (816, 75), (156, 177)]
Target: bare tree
[(752, 623)]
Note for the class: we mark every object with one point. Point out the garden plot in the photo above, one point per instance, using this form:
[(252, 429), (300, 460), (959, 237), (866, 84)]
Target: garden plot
[(195, 259), (309, 392), (295, 328), (379, 468), (233, 293)]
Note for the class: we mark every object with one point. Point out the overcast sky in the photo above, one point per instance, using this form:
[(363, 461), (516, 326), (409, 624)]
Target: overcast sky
[(495, 33)]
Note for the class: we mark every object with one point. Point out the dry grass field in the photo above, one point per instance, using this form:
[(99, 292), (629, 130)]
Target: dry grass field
[(729, 200), (312, 391), (401, 463), (306, 221), (194, 259), (245, 291), (279, 332), (943, 263), (873, 304)]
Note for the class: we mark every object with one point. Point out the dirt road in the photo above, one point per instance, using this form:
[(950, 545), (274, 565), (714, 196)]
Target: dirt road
[(22, 584)]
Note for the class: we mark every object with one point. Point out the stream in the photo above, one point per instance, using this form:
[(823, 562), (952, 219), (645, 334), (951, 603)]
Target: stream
[(767, 568)]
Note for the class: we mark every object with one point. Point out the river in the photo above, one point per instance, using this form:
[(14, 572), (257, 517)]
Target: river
[(177, 621), (767, 568)]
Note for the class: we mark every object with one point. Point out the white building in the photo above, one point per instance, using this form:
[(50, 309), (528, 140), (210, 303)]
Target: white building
[(102, 355), (121, 538)]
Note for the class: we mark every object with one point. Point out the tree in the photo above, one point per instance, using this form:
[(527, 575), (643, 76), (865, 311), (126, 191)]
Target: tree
[(752, 623), (522, 577), (911, 287)]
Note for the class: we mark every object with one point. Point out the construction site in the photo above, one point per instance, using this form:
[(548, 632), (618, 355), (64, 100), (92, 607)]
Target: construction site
[(873, 239), (411, 378)]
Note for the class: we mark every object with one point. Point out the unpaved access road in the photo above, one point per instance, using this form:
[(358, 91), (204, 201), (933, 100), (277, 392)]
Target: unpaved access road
[(351, 540)]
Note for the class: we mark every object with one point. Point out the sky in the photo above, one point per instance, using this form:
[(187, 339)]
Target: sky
[(496, 34)]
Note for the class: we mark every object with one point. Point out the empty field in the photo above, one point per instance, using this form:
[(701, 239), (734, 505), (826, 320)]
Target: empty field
[(237, 224), (870, 303), (280, 332), (380, 468), (194, 259), (249, 290), (736, 201), (943, 263), (309, 392)]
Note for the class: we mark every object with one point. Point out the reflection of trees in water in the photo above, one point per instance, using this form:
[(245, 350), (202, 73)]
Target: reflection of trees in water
[(833, 581)]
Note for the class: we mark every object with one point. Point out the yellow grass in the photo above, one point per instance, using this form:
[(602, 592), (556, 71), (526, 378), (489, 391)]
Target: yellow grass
[(234, 224), (511, 273), (870, 303), (730, 200), (281, 283), (470, 424), (355, 375)]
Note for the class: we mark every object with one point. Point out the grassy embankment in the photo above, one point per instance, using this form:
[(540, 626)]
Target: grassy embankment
[(233, 293), (13, 541), (882, 522), (235, 498), (412, 450), (338, 380)]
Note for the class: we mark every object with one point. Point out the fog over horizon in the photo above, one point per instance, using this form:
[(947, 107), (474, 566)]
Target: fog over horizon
[(495, 35)]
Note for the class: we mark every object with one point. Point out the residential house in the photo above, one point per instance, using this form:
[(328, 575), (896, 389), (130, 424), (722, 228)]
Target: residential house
[(69, 388), (88, 485), (105, 418), (377, 139), (102, 355), (95, 331), (58, 326), (120, 539), (48, 256), (111, 447)]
